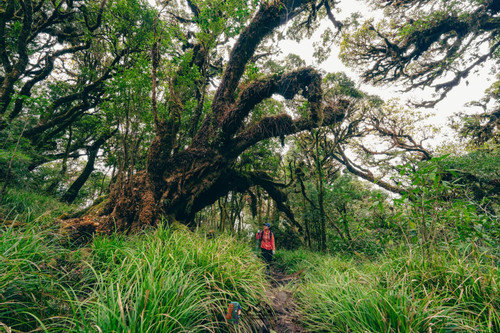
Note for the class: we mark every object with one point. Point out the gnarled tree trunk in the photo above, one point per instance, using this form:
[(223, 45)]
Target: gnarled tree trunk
[(178, 183)]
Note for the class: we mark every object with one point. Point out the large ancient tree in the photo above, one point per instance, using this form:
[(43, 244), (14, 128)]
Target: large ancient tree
[(190, 167)]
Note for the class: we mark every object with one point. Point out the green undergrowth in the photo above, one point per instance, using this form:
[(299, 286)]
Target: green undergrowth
[(165, 281), (157, 281), (406, 291), (36, 271), (25, 207)]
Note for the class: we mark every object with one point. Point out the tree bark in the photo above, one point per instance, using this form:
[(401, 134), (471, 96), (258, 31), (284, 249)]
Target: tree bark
[(73, 190), (178, 183), (17, 69)]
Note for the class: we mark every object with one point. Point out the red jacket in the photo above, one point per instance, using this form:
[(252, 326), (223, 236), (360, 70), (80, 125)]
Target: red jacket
[(267, 239)]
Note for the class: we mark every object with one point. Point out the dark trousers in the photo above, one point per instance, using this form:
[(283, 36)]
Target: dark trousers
[(267, 255)]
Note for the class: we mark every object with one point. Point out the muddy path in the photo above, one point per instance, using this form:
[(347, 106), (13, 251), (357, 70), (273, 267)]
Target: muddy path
[(283, 317)]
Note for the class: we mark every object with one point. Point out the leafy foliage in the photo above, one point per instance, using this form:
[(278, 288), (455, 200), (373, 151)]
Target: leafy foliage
[(420, 43)]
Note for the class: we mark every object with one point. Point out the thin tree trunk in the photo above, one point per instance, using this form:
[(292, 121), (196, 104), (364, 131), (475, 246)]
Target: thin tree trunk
[(73, 190), (321, 194), (64, 165), (306, 223)]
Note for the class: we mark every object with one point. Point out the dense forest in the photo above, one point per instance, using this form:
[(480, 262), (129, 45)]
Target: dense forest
[(143, 144)]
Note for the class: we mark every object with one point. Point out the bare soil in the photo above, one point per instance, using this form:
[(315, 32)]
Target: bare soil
[(284, 317)]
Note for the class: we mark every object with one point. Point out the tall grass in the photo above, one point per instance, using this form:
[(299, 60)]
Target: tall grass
[(34, 270), (157, 281), (405, 292), (23, 207), (167, 281)]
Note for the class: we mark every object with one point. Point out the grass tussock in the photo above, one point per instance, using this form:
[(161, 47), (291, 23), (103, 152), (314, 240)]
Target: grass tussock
[(168, 281), (446, 291), (157, 281), (21, 207), (35, 270)]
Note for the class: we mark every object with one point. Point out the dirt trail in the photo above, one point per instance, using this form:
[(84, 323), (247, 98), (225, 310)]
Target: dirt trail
[(284, 320)]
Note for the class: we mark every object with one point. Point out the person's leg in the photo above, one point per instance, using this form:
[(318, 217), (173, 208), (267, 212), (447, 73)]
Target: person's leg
[(268, 256)]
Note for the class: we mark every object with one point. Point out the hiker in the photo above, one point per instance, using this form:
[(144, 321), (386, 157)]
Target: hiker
[(266, 239)]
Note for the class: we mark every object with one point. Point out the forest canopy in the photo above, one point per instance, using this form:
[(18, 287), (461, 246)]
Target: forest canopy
[(168, 109)]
